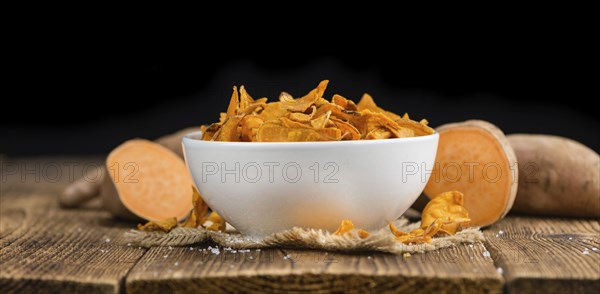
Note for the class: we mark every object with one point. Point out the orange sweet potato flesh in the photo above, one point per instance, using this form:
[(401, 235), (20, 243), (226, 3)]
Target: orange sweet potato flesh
[(152, 182), (474, 157)]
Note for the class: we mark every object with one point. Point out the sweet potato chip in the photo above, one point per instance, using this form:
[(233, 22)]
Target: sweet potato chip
[(234, 103), (229, 131), (164, 225), (443, 214), (362, 233), (321, 121), (345, 227), (303, 117), (367, 103), (304, 103), (344, 103), (198, 215), (214, 222), (349, 132), (448, 209), (249, 125)]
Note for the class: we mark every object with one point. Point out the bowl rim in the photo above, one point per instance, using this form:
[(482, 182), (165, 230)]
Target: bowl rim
[(193, 138)]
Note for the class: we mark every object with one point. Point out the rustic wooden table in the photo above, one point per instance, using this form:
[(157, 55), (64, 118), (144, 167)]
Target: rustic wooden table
[(44, 248)]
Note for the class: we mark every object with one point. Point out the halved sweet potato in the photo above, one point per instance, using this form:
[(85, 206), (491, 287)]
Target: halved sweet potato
[(152, 182), (474, 157)]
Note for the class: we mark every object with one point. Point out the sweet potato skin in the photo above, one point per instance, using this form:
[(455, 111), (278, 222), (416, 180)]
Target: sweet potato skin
[(557, 176)]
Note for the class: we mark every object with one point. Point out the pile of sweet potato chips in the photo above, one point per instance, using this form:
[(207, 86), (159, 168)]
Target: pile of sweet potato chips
[(443, 215), (309, 118)]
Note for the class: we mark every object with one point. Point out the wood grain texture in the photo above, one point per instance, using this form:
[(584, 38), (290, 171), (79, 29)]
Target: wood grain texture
[(191, 270), (547, 255), (47, 249)]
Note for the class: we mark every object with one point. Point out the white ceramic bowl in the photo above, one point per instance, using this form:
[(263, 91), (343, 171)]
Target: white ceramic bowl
[(262, 188)]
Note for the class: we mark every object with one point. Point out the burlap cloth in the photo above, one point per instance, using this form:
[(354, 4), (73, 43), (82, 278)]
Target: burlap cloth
[(382, 240)]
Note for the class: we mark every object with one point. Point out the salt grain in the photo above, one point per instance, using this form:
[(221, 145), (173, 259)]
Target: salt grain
[(570, 238), (165, 256), (486, 254), (250, 257), (595, 249), (176, 263), (471, 245), (170, 248), (586, 251), (369, 257), (191, 248), (500, 270), (107, 240), (129, 244), (501, 232)]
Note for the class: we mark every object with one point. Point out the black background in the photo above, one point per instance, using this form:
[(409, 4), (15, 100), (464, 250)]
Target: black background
[(87, 101)]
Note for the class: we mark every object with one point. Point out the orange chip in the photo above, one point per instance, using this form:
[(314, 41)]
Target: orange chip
[(363, 234), (345, 227), (198, 215), (164, 225), (447, 208), (214, 222)]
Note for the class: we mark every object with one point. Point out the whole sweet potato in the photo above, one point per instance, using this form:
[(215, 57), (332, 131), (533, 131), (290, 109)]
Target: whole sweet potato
[(557, 176)]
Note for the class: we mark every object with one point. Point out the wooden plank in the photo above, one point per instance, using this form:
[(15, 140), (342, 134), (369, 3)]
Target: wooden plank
[(547, 255), (197, 269), (461, 269), (47, 249)]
